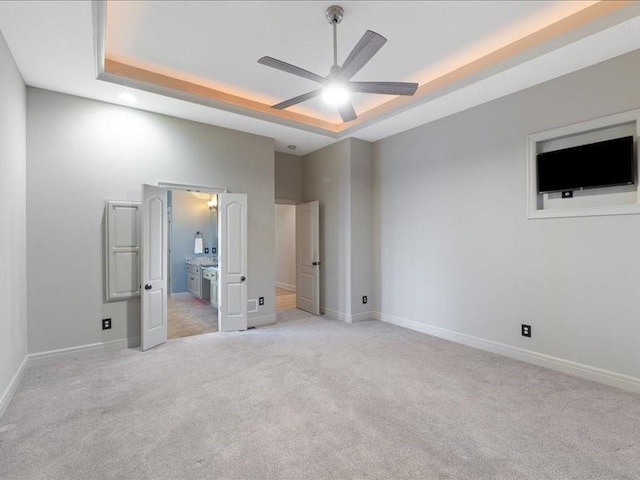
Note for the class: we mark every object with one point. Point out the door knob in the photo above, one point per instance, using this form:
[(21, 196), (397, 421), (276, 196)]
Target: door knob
[(147, 286), (316, 264), (243, 278)]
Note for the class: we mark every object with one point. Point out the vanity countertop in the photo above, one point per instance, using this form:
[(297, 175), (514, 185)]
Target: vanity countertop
[(203, 261)]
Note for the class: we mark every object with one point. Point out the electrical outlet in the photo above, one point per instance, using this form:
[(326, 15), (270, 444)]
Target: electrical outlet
[(106, 324), (261, 301), (214, 249), (364, 299), (206, 249), (526, 330)]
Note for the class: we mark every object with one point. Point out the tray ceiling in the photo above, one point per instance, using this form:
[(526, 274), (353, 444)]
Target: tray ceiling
[(198, 60)]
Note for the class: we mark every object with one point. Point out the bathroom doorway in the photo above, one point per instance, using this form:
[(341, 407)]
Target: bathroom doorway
[(231, 292), (192, 306)]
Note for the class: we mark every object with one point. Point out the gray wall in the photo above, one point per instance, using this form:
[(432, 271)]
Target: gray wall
[(288, 171), (13, 259), (361, 213), (455, 250), (189, 215), (339, 177), (326, 179), (82, 152)]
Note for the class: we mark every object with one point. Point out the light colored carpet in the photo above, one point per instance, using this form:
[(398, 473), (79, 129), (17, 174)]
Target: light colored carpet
[(311, 398), (188, 315)]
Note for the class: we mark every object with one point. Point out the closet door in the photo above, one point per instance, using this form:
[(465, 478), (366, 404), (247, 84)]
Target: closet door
[(308, 257)]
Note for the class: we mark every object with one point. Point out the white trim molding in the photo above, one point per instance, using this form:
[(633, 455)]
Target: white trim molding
[(362, 317), (261, 321), (192, 188), (11, 389), (569, 367), (287, 201), (50, 356), (345, 317)]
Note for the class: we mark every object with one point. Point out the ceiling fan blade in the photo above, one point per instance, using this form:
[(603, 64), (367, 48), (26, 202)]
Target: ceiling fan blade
[(364, 50), (347, 112), (295, 100), (384, 88), (287, 67)]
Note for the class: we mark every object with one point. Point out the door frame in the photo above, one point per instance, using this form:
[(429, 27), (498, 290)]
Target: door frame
[(185, 188), (296, 203), (169, 241), (169, 186)]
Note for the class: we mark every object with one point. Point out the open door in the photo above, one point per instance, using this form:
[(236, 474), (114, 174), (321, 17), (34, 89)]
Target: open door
[(154, 266), (232, 262), (308, 257)]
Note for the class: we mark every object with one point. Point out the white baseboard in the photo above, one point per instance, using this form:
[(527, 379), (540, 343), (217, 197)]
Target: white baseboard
[(42, 358), (362, 317), (10, 391), (334, 314), (587, 372), (345, 317), (261, 321), (286, 286)]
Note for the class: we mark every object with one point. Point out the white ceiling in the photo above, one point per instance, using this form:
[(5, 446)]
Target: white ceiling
[(219, 43)]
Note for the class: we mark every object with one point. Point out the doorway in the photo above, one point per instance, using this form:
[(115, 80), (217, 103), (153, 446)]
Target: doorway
[(285, 226), (154, 253), (192, 307), (298, 257)]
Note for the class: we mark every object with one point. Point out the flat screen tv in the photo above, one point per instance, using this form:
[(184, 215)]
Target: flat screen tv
[(601, 164)]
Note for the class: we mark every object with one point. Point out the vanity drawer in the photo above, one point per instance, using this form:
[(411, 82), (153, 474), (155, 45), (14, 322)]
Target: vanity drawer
[(193, 269), (209, 274)]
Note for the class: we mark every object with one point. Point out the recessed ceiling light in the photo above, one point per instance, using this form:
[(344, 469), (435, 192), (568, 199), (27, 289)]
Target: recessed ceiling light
[(127, 97), (292, 147)]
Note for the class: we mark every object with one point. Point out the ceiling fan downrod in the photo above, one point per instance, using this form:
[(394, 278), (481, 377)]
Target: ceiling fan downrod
[(334, 16)]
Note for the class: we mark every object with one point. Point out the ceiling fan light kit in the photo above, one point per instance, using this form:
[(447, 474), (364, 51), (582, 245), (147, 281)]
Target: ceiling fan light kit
[(337, 86), (335, 93)]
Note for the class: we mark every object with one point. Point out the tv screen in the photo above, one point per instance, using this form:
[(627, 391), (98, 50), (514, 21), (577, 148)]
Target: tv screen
[(600, 164)]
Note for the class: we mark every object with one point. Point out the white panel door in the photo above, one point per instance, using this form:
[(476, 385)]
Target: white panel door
[(308, 257), (154, 266), (232, 262)]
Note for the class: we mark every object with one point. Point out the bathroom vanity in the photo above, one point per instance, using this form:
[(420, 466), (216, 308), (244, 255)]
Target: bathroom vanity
[(194, 281), (202, 278), (211, 274)]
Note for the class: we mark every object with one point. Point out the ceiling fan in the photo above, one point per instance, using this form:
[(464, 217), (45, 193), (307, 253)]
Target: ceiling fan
[(337, 86)]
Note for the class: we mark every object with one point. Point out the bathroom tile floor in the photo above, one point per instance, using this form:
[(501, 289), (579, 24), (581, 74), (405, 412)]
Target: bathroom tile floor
[(188, 315)]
